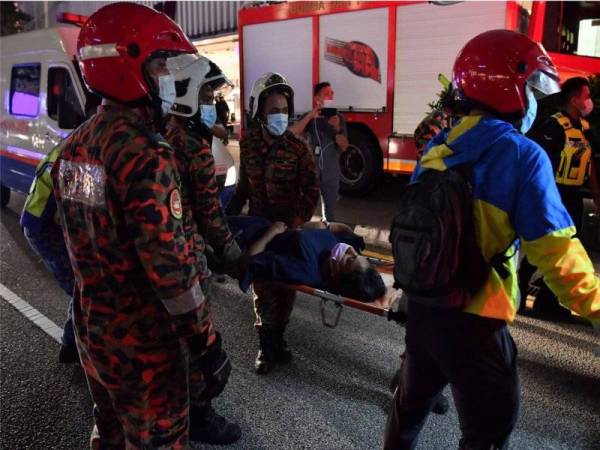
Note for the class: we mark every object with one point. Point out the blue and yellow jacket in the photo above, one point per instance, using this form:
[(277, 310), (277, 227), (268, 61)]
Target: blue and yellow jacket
[(515, 197)]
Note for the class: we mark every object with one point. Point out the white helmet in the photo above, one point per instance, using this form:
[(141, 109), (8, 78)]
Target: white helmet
[(270, 80), (191, 72)]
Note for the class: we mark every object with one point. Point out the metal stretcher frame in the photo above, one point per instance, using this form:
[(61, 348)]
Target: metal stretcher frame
[(384, 267)]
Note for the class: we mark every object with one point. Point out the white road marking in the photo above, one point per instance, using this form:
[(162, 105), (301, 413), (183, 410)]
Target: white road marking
[(41, 321)]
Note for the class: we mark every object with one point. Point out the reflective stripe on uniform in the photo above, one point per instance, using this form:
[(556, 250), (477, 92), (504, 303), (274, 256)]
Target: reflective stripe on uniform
[(82, 183), (186, 302)]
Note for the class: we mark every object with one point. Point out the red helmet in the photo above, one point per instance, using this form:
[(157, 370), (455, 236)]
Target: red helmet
[(493, 68), (116, 41)]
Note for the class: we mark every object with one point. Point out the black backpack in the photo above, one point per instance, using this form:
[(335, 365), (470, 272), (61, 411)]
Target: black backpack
[(437, 260)]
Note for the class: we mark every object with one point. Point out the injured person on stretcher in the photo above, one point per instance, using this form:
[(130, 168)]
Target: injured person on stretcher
[(315, 255)]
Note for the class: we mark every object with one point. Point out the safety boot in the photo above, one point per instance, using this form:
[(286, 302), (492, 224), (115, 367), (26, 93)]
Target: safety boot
[(210, 428), (68, 354), (273, 349)]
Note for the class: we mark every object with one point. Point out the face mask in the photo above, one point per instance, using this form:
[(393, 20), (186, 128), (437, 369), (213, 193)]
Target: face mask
[(531, 112), (277, 124), (338, 251), (327, 103), (588, 107), (208, 115), (166, 92)]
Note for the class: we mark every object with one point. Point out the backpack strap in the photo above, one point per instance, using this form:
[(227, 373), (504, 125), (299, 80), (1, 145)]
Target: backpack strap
[(499, 260)]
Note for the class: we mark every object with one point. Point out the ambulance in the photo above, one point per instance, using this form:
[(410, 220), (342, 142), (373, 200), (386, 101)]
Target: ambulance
[(43, 98), (383, 58)]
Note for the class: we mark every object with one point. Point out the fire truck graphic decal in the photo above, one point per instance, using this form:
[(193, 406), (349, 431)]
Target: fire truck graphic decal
[(358, 57)]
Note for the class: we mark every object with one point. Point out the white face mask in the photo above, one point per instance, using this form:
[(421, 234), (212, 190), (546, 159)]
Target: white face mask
[(588, 107), (531, 112), (166, 92), (328, 103)]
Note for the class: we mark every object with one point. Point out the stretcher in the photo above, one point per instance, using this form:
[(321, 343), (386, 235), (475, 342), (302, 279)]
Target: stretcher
[(332, 304)]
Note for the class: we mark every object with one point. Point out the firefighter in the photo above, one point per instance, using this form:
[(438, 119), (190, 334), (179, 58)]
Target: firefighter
[(497, 78), (139, 276), (188, 131), (278, 178), (563, 136)]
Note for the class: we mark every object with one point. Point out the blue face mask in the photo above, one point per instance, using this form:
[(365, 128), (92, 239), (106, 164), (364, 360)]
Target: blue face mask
[(531, 112), (208, 115), (277, 124)]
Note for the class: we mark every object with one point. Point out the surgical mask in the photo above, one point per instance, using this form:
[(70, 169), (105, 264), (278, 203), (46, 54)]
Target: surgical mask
[(588, 107), (277, 124), (166, 92), (208, 115), (338, 251), (328, 103), (527, 121)]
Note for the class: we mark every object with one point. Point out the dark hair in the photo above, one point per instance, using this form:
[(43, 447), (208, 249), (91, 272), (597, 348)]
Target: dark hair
[(364, 285), (571, 88), (319, 86)]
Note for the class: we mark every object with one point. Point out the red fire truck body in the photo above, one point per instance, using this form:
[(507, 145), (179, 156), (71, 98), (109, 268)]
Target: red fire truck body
[(382, 59)]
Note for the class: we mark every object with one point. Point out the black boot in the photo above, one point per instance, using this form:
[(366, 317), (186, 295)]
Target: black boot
[(273, 349), (68, 354), (209, 427)]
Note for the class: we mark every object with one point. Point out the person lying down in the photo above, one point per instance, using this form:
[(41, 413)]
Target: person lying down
[(322, 258)]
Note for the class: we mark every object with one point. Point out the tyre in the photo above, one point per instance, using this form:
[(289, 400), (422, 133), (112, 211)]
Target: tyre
[(360, 165), (4, 196)]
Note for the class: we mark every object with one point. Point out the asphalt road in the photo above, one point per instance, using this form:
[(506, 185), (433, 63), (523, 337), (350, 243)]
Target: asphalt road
[(332, 396)]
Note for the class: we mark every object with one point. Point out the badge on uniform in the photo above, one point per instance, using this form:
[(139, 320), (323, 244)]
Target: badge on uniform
[(175, 207)]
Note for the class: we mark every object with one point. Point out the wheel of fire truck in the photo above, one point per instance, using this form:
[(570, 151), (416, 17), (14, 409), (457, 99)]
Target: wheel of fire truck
[(4, 196), (360, 165)]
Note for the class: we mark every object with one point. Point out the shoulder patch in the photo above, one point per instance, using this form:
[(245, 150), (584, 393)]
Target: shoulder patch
[(175, 206)]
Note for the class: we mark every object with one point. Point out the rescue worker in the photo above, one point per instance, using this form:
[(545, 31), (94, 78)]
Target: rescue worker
[(278, 178), (497, 77), (328, 138), (188, 131), (563, 136), (139, 275), (41, 226)]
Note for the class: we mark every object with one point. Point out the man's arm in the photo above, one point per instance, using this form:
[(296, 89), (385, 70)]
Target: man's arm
[(152, 209), (261, 243), (207, 209), (299, 126), (341, 132), (547, 231)]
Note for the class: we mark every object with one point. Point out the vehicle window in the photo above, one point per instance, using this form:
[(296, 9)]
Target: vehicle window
[(62, 103), (25, 90), (572, 28)]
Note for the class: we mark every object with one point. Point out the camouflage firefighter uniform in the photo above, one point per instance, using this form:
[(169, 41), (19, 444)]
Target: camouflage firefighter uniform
[(138, 276), (281, 184), (209, 364)]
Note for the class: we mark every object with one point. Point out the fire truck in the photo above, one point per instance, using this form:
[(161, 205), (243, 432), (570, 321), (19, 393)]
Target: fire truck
[(383, 59)]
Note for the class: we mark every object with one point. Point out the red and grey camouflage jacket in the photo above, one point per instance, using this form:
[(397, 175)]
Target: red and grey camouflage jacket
[(279, 180), (118, 195), (196, 166)]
